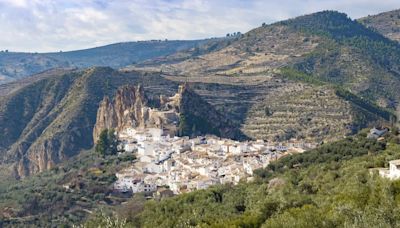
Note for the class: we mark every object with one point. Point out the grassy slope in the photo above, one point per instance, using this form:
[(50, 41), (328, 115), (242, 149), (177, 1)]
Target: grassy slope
[(29, 104)]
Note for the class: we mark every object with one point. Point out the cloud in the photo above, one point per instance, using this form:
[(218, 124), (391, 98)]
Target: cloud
[(52, 25)]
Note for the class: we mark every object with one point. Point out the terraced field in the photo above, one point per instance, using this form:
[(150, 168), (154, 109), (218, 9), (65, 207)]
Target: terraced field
[(300, 112), (272, 108)]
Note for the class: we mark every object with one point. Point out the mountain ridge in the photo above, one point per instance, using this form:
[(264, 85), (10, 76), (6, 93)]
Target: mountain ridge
[(16, 65), (386, 23)]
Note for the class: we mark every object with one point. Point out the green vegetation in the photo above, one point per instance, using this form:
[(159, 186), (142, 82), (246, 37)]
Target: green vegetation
[(365, 104), (107, 143), (333, 24), (337, 151), (350, 54), (66, 194), (104, 221), (327, 187), (296, 75)]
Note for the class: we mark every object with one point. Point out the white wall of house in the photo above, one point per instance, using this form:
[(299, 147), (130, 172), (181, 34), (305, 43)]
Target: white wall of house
[(394, 171), (130, 147)]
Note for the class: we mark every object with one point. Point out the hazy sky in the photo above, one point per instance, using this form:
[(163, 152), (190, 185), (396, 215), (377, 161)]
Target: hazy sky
[(53, 25)]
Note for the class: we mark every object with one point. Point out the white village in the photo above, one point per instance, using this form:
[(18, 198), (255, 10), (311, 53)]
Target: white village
[(181, 164)]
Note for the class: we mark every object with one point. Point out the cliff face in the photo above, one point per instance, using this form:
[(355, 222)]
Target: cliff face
[(185, 113), (128, 109), (198, 117)]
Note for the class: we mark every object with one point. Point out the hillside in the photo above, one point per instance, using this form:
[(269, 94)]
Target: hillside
[(52, 119), (322, 51), (352, 56), (40, 200), (327, 45), (387, 23), (325, 187), (18, 65)]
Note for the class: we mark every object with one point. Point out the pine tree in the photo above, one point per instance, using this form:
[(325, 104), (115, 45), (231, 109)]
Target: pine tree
[(102, 144), (112, 142)]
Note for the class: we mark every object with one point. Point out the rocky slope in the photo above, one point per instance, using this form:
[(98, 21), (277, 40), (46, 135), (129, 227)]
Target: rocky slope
[(52, 119), (128, 109), (185, 113), (387, 23)]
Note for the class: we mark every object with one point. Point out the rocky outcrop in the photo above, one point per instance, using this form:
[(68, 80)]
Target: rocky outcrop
[(185, 113), (129, 109)]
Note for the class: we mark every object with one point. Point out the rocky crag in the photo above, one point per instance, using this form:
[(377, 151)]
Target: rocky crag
[(185, 113)]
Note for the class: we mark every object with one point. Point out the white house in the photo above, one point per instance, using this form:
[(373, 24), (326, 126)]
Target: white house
[(146, 148), (156, 133), (393, 172), (124, 184), (236, 148), (375, 133), (130, 147), (247, 168), (153, 168)]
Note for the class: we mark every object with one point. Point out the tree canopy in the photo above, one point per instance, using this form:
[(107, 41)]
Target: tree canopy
[(107, 143)]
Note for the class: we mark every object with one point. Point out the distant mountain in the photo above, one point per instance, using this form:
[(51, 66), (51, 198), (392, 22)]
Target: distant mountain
[(19, 65), (387, 23)]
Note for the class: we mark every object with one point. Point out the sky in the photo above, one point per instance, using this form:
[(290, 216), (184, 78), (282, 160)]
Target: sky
[(54, 25)]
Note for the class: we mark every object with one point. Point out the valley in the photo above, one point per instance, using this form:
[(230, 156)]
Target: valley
[(268, 128)]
